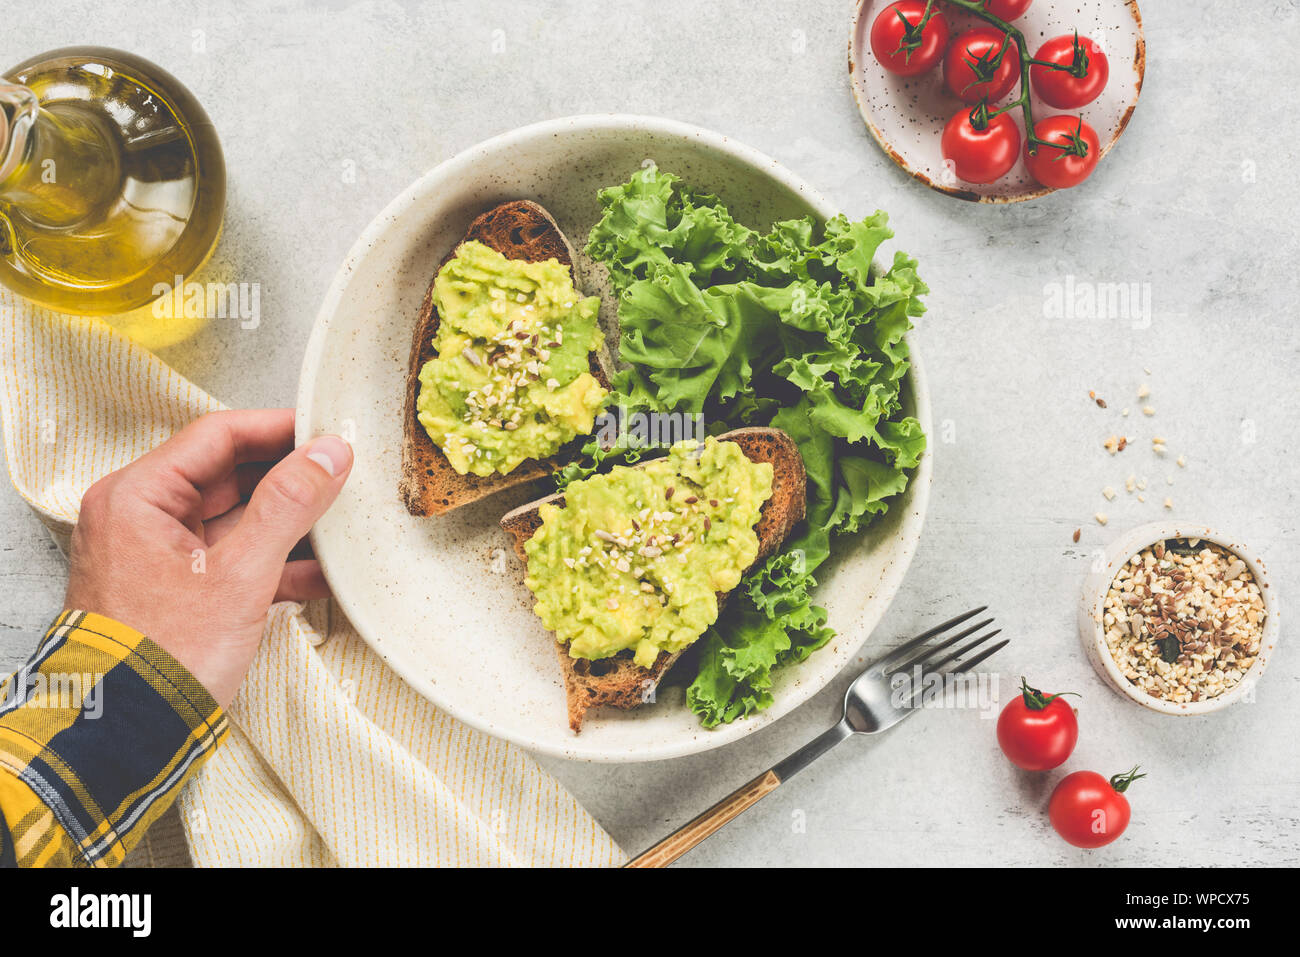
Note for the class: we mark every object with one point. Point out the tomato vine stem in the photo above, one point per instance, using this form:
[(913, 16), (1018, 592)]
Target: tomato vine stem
[(981, 114)]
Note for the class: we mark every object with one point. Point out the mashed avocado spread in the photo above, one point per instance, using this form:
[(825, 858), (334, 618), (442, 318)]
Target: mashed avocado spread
[(511, 380), (635, 557)]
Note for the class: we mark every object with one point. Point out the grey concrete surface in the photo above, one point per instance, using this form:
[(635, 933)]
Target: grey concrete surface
[(1197, 205)]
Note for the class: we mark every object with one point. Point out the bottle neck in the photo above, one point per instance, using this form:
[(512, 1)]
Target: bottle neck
[(56, 168)]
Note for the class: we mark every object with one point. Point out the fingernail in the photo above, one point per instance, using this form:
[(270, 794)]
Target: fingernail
[(331, 453)]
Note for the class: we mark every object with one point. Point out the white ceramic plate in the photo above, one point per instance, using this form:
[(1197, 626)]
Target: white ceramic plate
[(442, 599), (906, 115)]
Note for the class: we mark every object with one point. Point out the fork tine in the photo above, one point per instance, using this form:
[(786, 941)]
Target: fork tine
[(927, 653), (953, 656), (987, 653), (908, 645), (964, 666)]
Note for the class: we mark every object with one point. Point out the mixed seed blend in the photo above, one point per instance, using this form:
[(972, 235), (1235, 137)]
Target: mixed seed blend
[(1184, 619)]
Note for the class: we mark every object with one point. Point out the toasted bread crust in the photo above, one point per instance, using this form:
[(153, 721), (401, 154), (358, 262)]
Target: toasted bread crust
[(429, 485), (618, 681)]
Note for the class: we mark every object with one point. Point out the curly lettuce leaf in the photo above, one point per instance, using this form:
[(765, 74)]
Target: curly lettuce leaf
[(792, 328)]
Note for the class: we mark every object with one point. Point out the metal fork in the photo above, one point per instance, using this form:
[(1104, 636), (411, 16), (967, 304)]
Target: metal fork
[(870, 706)]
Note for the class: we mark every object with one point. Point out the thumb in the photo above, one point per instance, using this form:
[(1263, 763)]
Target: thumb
[(286, 503)]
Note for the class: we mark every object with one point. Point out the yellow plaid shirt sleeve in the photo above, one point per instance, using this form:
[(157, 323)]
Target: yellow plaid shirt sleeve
[(99, 731)]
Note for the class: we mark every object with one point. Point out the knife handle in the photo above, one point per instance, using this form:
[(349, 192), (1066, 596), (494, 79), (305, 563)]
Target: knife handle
[(688, 835)]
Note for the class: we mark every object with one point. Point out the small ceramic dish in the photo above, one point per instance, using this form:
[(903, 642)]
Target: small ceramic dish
[(906, 115), (1097, 584)]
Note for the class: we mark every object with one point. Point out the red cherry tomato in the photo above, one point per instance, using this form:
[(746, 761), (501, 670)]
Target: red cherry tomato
[(980, 156), (1072, 162), (981, 64), (1007, 9), (1089, 811), (1037, 732), (1083, 77), (899, 42)]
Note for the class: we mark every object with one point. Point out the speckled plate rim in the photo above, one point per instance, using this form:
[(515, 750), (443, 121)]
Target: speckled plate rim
[(853, 635), (971, 195), (1097, 584)]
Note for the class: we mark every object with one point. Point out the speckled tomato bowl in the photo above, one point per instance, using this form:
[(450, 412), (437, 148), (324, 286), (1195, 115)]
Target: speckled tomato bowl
[(1092, 609), (906, 115), (442, 599)]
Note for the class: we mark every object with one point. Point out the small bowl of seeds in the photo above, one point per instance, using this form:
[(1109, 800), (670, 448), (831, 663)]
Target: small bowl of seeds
[(1179, 618)]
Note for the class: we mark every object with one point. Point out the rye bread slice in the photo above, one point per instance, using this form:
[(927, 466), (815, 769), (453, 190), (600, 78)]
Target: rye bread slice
[(618, 681), (519, 229)]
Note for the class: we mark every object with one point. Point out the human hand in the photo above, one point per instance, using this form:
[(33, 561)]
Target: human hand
[(191, 543)]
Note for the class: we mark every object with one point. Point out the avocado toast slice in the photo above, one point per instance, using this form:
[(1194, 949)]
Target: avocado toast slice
[(429, 485), (618, 681)]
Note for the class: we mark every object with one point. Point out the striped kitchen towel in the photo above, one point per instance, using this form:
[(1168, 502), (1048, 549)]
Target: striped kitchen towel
[(332, 759)]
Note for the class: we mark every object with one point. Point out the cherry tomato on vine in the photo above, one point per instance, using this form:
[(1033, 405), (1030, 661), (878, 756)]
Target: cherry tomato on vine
[(981, 64), (980, 156), (902, 44), (1037, 732), (1088, 810), (1078, 77), (1069, 164), (1007, 9)]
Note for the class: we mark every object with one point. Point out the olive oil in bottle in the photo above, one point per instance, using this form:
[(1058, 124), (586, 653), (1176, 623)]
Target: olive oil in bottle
[(112, 181)]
